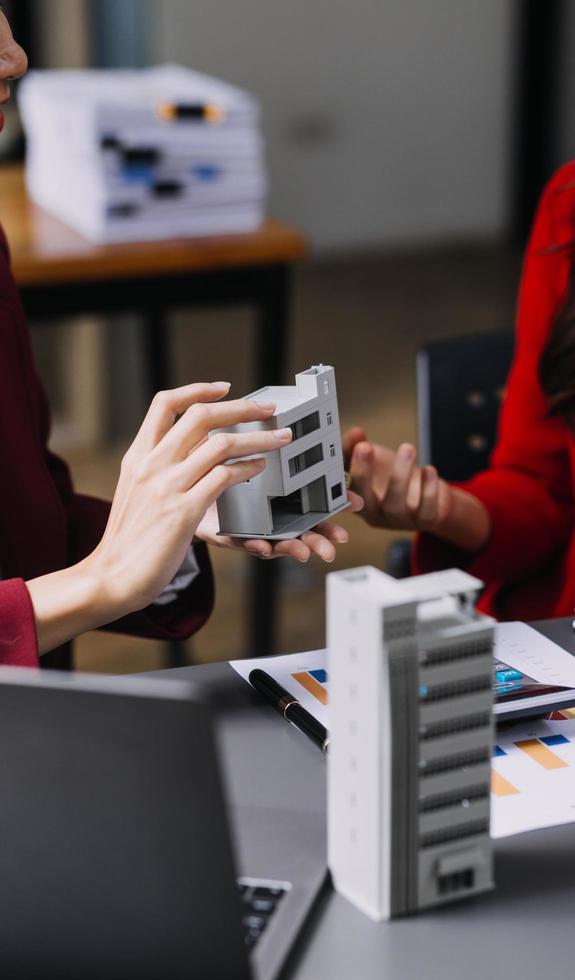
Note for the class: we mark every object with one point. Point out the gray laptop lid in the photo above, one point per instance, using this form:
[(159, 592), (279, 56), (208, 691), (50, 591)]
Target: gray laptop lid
[(104, 782)]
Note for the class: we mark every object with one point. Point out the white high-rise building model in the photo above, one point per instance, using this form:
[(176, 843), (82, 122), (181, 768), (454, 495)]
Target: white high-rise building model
[(410, 669)]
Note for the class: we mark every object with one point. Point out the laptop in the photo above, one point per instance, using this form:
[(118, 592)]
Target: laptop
[(116, 855)]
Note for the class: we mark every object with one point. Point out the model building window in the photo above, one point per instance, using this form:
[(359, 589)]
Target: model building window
[(329, 418), (304, 426), (332, 450), (336, 491), (310, 457)]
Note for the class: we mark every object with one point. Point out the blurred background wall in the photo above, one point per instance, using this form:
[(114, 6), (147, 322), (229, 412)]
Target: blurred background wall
[(386, 124), (409, 140)]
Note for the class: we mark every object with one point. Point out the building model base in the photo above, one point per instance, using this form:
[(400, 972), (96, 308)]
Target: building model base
[(303, 483), (301, 524)]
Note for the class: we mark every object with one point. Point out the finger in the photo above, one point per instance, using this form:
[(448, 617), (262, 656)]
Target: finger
[(226, 446), (167, 405), (395, 500), (193, 427), (362, 477), (203, 494), (293, 548), (428, 508), (350, 439), (319, 545), (255, 546), (356, 502), (258, 548), (413, 496), (333, 532)]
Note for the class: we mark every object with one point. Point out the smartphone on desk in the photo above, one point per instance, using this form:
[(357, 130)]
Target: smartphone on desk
[(510, 684)]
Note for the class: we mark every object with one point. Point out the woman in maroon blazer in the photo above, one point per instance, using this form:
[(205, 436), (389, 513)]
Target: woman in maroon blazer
[(70, 563)]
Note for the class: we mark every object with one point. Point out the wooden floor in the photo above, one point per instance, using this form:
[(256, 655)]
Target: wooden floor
[(366, 315)]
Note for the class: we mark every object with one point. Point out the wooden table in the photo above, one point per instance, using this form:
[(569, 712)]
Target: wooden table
[(61, 274)]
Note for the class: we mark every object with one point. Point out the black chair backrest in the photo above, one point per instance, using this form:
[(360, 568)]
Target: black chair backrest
[(460, 386)]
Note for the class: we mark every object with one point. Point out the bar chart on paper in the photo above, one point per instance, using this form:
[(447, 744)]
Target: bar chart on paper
[(314, 682), (533, 775)]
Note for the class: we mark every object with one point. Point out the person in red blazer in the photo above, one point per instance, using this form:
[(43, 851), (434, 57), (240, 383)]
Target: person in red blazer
[(69, 563), (513, 526)]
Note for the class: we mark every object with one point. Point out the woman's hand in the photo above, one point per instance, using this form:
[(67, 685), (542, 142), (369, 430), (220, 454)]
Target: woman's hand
[(321, 541), (169, 478), (397, 493), (400, 494)]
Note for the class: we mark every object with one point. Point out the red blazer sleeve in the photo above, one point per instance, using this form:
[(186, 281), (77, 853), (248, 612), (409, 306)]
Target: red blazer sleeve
[(18, 644), (527, 488)]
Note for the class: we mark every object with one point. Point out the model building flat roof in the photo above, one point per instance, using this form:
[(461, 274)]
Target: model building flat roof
[(285, 397)]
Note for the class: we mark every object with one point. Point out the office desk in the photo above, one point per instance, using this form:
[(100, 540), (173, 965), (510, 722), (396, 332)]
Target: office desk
[(522, 929), (62, 274)]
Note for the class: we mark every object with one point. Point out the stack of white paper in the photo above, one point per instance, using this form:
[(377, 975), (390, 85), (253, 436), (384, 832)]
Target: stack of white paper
[(149, 154)]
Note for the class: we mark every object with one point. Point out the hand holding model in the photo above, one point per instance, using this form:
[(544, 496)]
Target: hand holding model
[(321, 541), (169, 481), (400, 494), (169, 477)]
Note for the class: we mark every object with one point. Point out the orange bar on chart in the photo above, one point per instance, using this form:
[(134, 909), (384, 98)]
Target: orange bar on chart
[(500, 786), (541, 754), (314, 687)]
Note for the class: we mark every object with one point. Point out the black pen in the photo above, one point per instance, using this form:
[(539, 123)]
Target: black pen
[(289, 707)]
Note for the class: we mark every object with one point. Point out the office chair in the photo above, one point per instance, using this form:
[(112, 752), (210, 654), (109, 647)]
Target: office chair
[(460, 386)]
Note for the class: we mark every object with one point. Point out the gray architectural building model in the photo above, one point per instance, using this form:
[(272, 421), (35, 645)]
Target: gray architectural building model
[(303, 482)]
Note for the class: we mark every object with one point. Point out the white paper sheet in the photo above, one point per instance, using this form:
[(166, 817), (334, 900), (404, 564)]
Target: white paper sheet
[(520, 646), (533, 779)]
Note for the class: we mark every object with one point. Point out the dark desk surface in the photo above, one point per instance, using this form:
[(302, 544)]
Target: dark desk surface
[(521, 930), (45, 251)]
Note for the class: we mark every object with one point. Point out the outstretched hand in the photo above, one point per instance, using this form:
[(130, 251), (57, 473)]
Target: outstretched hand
[(397, 493)]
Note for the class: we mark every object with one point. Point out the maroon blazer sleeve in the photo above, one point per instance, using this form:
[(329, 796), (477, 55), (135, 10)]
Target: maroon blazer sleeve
[(44, 524), (527, 488), (18, 644)]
